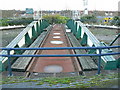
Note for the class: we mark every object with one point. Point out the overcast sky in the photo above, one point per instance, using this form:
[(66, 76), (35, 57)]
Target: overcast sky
[(111, 5)]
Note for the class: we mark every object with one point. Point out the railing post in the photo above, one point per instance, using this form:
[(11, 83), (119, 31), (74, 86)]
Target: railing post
[(99, 61), (9, 63)]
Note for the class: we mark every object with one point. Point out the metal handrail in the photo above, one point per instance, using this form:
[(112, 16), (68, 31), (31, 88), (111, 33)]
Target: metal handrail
[(59, 48)]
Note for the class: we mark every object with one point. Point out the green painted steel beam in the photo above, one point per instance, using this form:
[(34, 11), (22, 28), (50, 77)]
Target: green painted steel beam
[(75, 29), (37, 29), (18, 51), (34, 34), (2, 68), (84, 40), (28, 41), (92, 51), (78, 34), (118, 62)]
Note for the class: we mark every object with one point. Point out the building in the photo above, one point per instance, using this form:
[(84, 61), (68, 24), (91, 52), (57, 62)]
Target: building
[(76, 14)]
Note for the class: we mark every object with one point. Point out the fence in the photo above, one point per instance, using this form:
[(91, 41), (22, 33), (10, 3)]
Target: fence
[(59, 48)]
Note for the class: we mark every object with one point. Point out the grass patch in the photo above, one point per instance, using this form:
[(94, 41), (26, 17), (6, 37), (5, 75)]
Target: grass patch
[(16, 79), (71, 82)]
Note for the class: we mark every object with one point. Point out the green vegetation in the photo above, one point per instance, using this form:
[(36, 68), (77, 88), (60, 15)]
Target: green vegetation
[(52, 19), (3, 22), (16, 79), (100, 81), (88, 19), (55, 19), (21, 21), (116, 21)]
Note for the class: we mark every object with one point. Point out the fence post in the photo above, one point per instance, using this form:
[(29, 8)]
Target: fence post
[(99, 61), (9, 63)]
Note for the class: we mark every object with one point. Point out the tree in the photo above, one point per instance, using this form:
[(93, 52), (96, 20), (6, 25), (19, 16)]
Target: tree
[(57, 19), (88, 19), (22, 21), (115, 21)]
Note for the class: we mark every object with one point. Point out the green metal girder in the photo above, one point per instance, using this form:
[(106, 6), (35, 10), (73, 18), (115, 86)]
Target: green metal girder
[(92, 51), (18, 51), (78, 34), (34, 34), (40, 28), (109, 65), (37, 29), (75, 29), (27, 39), (72, 26), (2, 68), (84, 40), (43, 24), (118, 62), (69, 23)]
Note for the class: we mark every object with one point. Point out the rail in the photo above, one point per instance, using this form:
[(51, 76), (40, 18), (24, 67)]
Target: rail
[(59, 48)]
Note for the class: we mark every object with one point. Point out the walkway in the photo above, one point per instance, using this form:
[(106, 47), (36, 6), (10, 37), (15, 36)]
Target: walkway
[(56, 38)]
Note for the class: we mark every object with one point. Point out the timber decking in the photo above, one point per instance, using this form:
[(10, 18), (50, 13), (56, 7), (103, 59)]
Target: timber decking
[(86, 62), (22, 62)]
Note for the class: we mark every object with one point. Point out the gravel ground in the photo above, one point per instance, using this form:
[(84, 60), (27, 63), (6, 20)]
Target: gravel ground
[(106, 35), (6, 36)]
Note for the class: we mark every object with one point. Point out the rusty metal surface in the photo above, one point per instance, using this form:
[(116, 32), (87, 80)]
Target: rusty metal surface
[(67, 64)]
